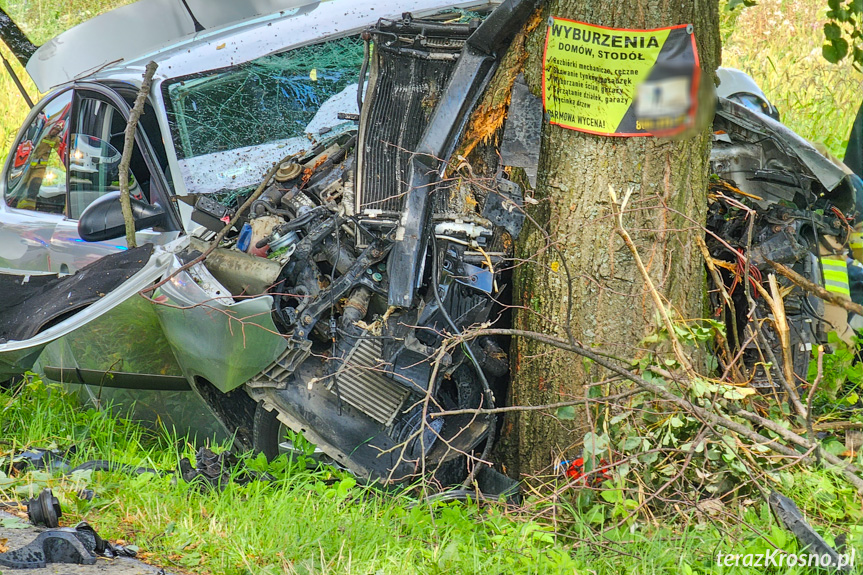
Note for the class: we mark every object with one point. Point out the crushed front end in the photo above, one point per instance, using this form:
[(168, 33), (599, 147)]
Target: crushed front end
[(775, 199), (374, 254)]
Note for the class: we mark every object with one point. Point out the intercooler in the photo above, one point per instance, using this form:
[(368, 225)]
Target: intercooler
[(360, 383), (411, 64)]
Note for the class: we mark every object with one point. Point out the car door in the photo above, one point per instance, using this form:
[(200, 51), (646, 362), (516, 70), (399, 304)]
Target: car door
[(65, 158), (33, 183)]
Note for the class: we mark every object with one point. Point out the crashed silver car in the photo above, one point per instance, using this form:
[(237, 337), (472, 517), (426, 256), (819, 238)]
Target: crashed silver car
[(775, 198), (323, 307)]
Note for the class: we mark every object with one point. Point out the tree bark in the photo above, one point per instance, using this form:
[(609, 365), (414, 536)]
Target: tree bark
[(128, 144), (610, 306)]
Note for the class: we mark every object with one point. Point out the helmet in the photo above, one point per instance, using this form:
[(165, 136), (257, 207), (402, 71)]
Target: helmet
[(739, 87)]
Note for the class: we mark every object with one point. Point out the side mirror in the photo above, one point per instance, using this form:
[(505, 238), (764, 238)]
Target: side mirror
[(103, 219)]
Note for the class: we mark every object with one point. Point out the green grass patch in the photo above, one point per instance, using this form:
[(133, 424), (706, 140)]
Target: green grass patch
[(323, 521)]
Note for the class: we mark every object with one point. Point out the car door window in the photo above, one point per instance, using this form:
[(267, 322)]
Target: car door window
[(37, 176), (94, 159)]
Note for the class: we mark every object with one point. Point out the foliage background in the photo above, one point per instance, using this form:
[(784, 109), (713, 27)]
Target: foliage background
[(778, 43)]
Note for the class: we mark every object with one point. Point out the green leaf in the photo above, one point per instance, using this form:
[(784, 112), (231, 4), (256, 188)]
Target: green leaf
[(778, 535), (612, 495), (566, 413), (13, 523), (345, 486), (619, 417), (832, 31), (595, 514), (631, 443), (834, 447), (649, 458), (595, 444), (835, 51)]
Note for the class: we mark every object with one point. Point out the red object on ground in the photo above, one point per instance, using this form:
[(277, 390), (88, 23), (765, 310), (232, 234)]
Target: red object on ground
[(575, 471)]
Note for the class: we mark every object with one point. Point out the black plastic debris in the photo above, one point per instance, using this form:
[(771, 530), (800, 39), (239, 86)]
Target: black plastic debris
[(85, 494), (77, 545), (39, 459), (494, 484), (217, 469), (788, 514), (44, 509)]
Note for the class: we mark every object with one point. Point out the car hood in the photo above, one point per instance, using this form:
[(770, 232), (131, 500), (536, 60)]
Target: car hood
[(166, 32), (145, 26)]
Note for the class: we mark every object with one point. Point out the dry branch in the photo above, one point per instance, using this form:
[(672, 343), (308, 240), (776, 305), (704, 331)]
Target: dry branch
[(816, 289), (128, 145), (848, 470), (221, 235), (657, 300)]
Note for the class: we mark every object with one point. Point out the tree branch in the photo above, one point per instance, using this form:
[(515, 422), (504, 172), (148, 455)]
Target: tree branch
[(128, 145), (848, 470), (657, 300), (816, 289), (221, 235)]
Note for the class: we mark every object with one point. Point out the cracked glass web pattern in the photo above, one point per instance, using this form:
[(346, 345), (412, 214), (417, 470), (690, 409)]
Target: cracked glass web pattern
[(269, 99)]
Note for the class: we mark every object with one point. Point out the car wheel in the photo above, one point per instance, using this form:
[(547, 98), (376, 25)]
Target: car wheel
[(268, 433), (270, 437)]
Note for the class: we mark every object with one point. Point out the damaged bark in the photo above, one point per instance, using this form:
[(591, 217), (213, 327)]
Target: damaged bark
[(586, 286)]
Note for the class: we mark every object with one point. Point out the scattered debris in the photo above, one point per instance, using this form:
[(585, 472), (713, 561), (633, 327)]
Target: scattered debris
[(39, 459), (216, 469), (78, 545), (44, 509), (788, 514), (363, 221), (574, 470)]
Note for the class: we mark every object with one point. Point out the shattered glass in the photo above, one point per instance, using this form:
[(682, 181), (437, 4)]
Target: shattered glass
[(260, 111)]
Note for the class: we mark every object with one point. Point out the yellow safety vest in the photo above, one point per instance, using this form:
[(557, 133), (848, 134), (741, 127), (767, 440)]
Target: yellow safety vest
[(835, 275)]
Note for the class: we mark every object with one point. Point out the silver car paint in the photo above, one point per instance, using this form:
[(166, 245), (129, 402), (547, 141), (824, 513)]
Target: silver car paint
[(18, 356), (39, 242), (214, 337)]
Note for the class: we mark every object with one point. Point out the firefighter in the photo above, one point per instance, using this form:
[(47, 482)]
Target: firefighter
[(40, 157)]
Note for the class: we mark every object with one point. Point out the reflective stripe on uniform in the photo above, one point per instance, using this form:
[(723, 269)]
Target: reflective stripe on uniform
[(835, 275), (856, 240)]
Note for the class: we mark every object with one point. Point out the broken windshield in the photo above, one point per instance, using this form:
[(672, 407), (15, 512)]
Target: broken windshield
[(229, 125)]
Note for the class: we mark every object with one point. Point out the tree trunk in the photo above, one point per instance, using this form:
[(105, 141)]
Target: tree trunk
[(611, 308)]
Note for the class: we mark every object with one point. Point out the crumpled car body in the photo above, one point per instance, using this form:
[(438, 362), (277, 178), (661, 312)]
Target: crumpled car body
[(324, 309), (775, 198)]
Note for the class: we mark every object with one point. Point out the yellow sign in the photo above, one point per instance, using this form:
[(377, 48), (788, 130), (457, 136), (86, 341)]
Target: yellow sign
[(619, 82)]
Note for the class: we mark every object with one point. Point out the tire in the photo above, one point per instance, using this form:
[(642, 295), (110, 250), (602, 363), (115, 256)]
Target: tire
[(266, 432), (269, 438)]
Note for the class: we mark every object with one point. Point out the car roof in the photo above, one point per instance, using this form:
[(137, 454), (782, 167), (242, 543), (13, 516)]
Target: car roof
[(221, 33)]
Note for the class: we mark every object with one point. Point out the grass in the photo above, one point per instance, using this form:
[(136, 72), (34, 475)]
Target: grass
[(322, 521)]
